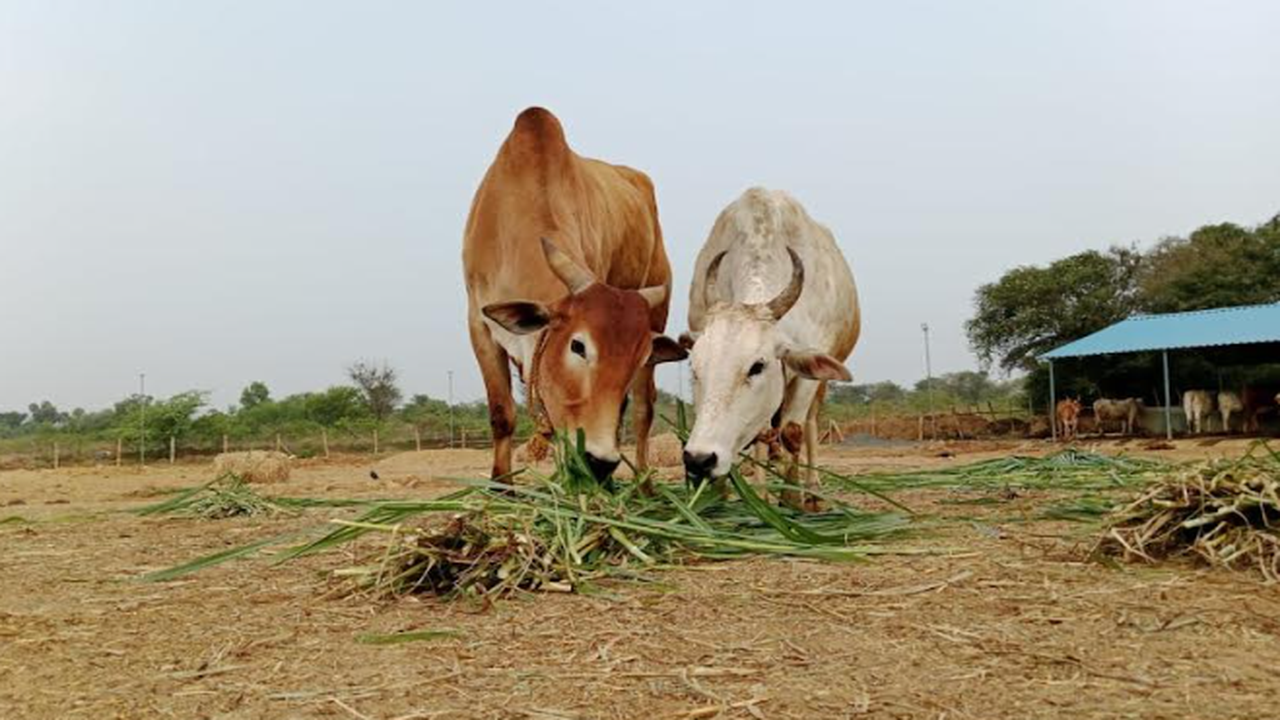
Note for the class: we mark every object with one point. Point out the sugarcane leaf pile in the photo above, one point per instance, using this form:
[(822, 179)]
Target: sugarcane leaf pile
[(565, 531), (223, 497), (1070, 469), (1225, 512)]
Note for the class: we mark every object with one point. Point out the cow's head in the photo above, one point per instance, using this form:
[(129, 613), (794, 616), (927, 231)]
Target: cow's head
[(741, 365), (594, 340)]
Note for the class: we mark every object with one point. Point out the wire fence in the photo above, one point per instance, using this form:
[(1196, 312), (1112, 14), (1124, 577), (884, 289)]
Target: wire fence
[(70, 449)]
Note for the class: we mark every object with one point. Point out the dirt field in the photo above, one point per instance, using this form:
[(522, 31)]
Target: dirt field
[(1002, 619)]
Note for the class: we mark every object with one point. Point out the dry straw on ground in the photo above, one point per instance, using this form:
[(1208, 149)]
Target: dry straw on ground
[(1225, 512), (665, 451), (264, 466)]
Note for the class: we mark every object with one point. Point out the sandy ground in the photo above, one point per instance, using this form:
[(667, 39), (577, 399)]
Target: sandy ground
[(1001, 619)]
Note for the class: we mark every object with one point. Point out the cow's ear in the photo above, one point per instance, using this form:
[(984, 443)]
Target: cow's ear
[(815, 366), (519, 316), (687, 340), (666, 350)]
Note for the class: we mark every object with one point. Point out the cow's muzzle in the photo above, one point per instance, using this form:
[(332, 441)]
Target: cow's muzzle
[(700, 466), (602, 469)]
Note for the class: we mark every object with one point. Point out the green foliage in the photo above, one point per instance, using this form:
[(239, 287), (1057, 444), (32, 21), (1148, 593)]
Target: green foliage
[(1031, 310), (335, 406), (966, 388), (254, 394), (1217, 266), (161, 419), (45, 413)]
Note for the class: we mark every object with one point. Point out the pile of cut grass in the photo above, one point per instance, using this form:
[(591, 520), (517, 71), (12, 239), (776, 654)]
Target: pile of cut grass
[(565, 531), (1069, 469), (1225, 512), (226, 496)]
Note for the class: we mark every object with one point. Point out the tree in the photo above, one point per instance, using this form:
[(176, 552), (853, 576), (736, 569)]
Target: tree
[(338, 404), (45, 413), (254, 394), (966, 386), (377, 384), (12, 420), (884, 392), (1031, 310), (1217, 266)]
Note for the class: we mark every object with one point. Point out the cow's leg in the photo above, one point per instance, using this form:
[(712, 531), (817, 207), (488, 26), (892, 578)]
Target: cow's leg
[(811, 438), (495, 368), (643, 390), (795, 415)]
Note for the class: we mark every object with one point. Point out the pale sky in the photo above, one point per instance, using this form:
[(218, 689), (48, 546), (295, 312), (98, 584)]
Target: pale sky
[(221, 192)]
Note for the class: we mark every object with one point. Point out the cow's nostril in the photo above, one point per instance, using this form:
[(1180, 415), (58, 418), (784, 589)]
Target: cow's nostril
[(699, 465)]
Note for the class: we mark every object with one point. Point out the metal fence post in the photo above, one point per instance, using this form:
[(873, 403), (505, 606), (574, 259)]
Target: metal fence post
[(1053, 416)]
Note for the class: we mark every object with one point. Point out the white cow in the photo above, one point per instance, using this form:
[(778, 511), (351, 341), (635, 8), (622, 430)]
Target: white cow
[(1124, 410), (1197, 404), (1228, 403), (773, 314)]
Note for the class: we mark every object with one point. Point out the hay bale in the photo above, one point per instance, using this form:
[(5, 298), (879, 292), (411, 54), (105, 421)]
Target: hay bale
[(262, 466), (665, 451)]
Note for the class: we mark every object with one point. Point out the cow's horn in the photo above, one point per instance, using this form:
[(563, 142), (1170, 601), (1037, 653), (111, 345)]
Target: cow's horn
[(570, 273), (709, 292), (654, 295), (788, 297)]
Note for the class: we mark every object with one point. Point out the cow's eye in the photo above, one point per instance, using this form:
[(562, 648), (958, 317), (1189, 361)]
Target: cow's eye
[(756, 368), (577, 348)]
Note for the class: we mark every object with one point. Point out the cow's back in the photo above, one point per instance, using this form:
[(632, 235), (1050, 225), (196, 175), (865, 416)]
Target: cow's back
[(604, 216), (755, 231)]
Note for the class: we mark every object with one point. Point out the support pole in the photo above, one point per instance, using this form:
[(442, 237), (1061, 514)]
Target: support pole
[(1168, 401), (1053, 398)]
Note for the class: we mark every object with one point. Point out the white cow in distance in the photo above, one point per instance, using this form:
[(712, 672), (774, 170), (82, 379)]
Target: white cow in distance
[(1123, 410), (1197, 404), (773, 314), (1228, 404)]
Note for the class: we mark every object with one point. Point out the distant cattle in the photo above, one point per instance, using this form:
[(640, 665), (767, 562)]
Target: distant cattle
[(1068, 412), (1229, 403), (567, 279), (773, 314), (1124, 410), (1256, 401), (1197, 404)]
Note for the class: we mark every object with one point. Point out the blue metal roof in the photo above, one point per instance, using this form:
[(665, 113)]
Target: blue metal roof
[(1245, 325)]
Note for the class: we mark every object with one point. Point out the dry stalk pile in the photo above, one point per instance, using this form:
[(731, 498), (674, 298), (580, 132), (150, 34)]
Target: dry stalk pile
[(1226, 512)]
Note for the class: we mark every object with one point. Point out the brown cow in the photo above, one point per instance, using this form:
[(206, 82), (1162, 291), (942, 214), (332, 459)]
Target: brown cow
[(568, 279), (1069, 418), (1257, 400)]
